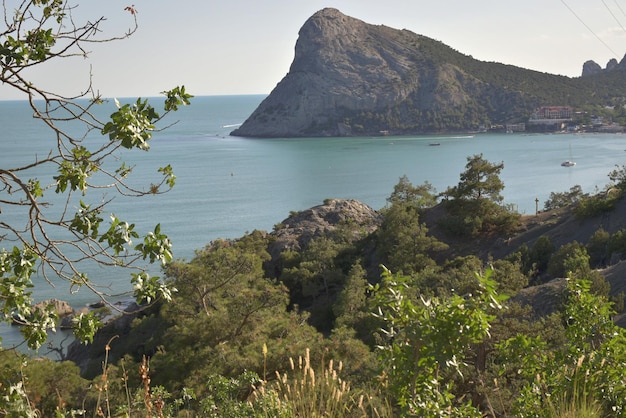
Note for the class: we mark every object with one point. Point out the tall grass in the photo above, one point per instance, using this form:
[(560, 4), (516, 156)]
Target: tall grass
[(578, 400), (305, 393)]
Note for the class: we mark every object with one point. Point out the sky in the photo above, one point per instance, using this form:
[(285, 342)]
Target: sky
[(246, 46)]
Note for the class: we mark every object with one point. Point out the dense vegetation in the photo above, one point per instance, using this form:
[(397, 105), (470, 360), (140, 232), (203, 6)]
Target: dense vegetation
[(325, 330), (395, 322)]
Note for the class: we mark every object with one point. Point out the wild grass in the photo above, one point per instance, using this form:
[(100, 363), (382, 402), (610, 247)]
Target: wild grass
[(303, 392), (577, 400)]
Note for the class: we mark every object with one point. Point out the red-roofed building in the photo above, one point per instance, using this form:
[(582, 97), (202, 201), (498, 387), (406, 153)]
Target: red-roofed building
[(552, 113)]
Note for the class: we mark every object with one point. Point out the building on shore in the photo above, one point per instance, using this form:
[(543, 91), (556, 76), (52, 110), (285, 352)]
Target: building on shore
[(551, 115)]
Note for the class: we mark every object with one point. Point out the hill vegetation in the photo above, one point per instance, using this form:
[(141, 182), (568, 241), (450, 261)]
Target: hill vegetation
[(442, 304)]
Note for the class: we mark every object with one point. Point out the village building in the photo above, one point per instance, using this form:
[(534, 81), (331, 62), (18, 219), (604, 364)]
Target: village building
[(551, 115)]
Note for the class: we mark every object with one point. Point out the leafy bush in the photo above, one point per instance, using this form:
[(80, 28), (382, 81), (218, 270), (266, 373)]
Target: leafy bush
[(425, 342), (598, 248), (595, 205), (585, 372), (564, 199), (568, 258), (479, 218)]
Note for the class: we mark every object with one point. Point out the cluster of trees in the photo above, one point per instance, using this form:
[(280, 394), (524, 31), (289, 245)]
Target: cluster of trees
[(390, 323), (432, 339), (587, 205), (423, 336)]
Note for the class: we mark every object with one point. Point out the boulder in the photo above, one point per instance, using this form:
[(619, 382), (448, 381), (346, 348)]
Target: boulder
[(297, 231), (300, 228), (60, 307)]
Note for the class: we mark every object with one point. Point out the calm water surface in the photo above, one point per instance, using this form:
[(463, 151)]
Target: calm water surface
[(227, 186)]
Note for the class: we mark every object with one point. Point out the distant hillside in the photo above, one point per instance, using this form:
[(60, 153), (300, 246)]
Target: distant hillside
[(352, 78)]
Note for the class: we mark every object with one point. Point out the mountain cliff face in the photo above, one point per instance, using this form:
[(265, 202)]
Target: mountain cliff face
[(352, 78), (592, 68)]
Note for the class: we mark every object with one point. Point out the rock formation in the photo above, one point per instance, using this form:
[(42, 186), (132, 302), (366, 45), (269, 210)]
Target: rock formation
[(295, 232), (592, 68), (60, 307), (345, 70), (350, 78)]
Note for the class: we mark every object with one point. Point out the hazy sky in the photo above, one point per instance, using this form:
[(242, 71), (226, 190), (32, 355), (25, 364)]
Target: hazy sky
[(246, 46)]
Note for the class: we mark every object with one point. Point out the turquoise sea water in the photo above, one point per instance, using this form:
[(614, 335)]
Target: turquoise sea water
[(228, 185)]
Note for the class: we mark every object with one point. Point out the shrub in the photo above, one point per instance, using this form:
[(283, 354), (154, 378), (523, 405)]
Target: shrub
[(564, 199), (568, 258)]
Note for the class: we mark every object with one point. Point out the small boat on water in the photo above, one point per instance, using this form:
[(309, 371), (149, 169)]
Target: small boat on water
[(569, 163), (434, 144)]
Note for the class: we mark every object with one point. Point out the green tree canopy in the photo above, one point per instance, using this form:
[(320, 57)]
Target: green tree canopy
[(421, 196), (480, 180), (475, 204)]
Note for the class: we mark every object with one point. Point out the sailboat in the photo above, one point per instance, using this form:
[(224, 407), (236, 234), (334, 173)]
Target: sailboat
[(568, 163)]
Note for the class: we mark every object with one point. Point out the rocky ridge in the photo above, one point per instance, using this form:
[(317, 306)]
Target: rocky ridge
[(593, 68), (297, 231), (351, 78)]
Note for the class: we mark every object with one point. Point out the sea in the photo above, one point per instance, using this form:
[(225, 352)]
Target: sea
[(227, 186)]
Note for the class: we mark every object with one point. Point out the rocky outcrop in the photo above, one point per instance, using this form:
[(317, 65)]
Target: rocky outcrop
[(543, 299), (60, 307), (299, 229), (347, 78), (592, 68), (350, 78), (295, 232)]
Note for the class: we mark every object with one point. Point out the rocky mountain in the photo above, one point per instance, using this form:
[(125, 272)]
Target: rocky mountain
[(353, 78), (592, 68)]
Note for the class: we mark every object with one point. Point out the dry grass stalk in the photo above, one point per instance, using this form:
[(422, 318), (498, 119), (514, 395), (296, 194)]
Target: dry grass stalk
[(305, 393)]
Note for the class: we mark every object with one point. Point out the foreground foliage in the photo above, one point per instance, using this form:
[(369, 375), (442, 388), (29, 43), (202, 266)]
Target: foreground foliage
[(427, 365), (425, 342), (58, 222), (323, 331)]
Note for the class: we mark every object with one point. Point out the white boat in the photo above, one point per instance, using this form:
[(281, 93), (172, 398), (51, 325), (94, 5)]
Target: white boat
[(568, 163)]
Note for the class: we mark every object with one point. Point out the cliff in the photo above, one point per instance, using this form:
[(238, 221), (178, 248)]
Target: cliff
[(353, 78), (593, 68)]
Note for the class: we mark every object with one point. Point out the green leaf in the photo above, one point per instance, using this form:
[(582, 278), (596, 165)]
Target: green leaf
[(85, 326), (119, 234), (132, 125), (148, 289), (86, 221), (176, 97), (156, 246), (168, 172)]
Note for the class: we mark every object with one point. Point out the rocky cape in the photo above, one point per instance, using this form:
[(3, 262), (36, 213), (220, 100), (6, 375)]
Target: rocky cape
[(350, 78)]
